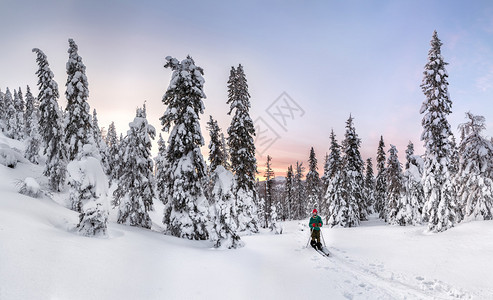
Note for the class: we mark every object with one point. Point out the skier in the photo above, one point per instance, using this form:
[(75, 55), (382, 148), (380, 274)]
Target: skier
[(315, 224)]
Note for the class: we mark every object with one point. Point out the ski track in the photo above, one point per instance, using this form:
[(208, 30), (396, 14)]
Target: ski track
[(363, 280)]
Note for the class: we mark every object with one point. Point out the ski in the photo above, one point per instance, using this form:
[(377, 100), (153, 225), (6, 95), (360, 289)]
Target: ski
[(323, 252)]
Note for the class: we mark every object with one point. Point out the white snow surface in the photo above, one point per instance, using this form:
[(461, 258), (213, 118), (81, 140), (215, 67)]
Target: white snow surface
[(42, 257)]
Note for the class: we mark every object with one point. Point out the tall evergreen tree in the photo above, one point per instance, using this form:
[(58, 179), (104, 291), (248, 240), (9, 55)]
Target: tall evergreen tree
[(135, 189), (331, 167), (269, 176), (112, 145), (334, 159), (28, 114), (78, 127), (99, 142), (161, 166), (325, 176), (440, 207), (96, 131), (299, 192), (394, 185), (313, 185), (11, 121), (381, 180), (186, 209), (242, 150), (369, 187), (9, 110), (3, 112), (50, 124), (289, 192), (224, 229), (337, 208), (18, 127), (216, 155), (353, 176), (225, 151), (411, 201), (476, 164), (31, 129)]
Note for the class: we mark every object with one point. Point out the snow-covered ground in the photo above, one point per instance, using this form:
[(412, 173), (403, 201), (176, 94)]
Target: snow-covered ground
[(41, 257)]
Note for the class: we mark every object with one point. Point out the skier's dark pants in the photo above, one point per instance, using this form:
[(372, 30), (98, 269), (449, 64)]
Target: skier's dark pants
[(316, 235)]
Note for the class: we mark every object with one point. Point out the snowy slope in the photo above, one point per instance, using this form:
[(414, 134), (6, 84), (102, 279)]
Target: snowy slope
[(41, 257)]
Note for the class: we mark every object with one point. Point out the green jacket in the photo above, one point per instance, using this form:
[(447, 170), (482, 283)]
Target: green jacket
[(315, 221)]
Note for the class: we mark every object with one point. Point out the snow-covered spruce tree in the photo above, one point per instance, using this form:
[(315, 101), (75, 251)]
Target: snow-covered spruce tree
[(99, 142), (260, 209), (30, 108), (454, 161), (224, 226), (50, 124), (440, 207), (160, 162), (242, 150), (78, 127), (113, 145), (454, 170), (333, 164), (476, 163), (135, 189), (289, 192), (186, 207), (2, 111), (313, 185), (325, 178), (411, 201), (394, 185), (20, 106), (216, 155), (269, 176), (222, 212), (337, 208), (11, 121), (274, 225), (17, 126), (31, 129), (89, 188), (353, 176), (369, 189), (299, 192), (225, 151), (119, 166), (381, 181), (278, 199), (9, 112)]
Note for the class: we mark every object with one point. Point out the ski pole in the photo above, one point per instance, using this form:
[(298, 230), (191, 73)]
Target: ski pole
[(309, 238), (323, 240)]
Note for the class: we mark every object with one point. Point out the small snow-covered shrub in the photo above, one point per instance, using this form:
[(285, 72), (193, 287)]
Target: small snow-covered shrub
[(8, 157), (29, 187), (93, 220)]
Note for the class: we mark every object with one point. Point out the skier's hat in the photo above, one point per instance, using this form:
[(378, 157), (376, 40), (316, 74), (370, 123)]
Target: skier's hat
[(314, 211)]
